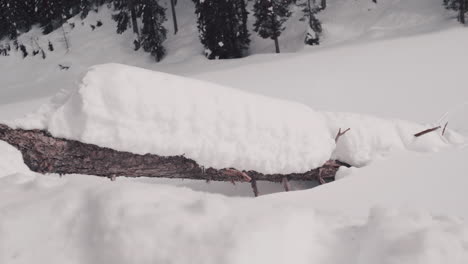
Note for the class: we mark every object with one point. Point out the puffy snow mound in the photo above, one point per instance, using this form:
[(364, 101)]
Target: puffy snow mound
[(11, 160), (142, 111), (93, 220)]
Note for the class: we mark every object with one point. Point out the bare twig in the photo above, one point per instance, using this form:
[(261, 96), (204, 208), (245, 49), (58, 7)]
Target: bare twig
[(253, 183), (445, 126), (341, 134), (235, 173), (426, 131), (286, 185)]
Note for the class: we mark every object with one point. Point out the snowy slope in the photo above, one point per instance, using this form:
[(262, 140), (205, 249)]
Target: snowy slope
[(344, 22), (415, 78)]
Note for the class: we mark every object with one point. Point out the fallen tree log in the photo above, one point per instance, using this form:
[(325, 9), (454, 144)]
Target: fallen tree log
[(44, 153)]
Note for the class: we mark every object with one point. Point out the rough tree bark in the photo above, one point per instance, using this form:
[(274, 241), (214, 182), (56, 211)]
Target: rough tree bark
[(174, 17), (277, 48), (131, 7), (44, 153)]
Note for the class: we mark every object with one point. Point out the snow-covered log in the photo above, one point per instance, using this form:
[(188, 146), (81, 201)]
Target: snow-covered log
[(45, 153)]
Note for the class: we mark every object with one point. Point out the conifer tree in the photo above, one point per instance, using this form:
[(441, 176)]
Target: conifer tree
[(14, 17), (127, 15), (223, 28), (458, 5), (153, 32), (270, 16), (51, 14), (314, 28)]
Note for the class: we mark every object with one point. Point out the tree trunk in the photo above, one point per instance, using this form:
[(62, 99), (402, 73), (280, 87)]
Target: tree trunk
[(174, 18), (323, 4), (131, 7), (44, 153), (461, 15), (277, 48)]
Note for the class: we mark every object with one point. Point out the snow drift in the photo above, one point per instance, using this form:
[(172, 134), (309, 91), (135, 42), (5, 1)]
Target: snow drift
[(136, 110), (86, 219), (141, 111)]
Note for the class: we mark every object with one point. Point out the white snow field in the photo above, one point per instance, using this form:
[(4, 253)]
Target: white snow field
[(385, 70), (418, 215)]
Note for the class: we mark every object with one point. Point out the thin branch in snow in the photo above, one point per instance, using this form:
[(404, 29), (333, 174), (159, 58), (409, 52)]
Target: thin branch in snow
[(426, 131), (445, 126)]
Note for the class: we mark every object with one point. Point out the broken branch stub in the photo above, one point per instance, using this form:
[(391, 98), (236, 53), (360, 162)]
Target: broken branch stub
[(340, 134)]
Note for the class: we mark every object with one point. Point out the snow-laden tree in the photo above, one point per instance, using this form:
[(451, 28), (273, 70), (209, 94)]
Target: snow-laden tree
[(223, 28), (52, 13), (153, 32), (270, 17)]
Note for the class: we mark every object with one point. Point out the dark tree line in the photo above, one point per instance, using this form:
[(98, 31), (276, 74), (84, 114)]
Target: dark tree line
[(222, 24), (223, 28), (18, 16)]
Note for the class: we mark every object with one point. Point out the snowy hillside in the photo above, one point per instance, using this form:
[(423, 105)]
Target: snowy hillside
[(385, 70), (88, 47)]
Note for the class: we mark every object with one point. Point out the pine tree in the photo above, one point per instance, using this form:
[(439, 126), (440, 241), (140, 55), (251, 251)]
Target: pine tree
[(314, 28), (14, 17), (52, 14), (241, 32), (223, 28), (458, 5), (270, 16), (127, 11), (153, 32)]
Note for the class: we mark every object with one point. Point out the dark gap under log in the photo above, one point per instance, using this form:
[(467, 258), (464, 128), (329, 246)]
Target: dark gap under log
[(44, 153)]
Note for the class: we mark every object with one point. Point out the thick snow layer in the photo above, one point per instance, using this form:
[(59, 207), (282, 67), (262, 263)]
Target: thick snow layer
[(407, 210), (141, 111), (434, 182), (371, 137), (11, 160)]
